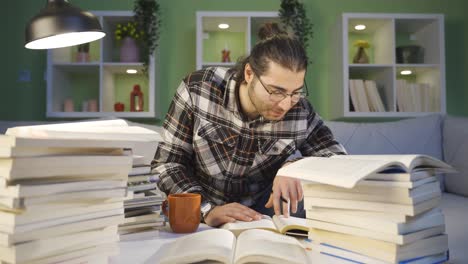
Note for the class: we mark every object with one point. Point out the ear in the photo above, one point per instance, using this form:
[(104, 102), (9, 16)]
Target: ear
[(248, 73)]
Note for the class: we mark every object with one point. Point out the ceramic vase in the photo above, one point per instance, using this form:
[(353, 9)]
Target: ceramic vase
[(129, 51)]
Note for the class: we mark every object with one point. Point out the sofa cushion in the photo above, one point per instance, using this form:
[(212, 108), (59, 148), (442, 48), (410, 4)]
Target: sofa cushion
[(455, 139), (421, 135)]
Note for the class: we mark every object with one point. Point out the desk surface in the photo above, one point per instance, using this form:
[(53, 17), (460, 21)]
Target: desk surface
[(455, 210), (146, 251)]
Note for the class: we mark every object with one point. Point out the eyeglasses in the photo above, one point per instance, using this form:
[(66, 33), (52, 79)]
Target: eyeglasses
[(278, 96)]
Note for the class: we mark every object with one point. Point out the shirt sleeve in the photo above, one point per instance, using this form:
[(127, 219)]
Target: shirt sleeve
[(320, 140), (173, 158)]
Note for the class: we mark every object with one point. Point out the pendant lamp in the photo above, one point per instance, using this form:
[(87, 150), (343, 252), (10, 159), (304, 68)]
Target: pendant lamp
[(59, 25)]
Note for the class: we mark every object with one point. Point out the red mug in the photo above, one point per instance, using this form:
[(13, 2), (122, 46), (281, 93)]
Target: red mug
[(183, 211)]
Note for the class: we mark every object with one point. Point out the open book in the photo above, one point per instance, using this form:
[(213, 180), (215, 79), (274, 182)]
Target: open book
[(285, 225), (347, 170), (221, 246)]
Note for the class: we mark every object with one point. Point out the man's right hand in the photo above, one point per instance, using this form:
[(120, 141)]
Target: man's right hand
[(229, 213)]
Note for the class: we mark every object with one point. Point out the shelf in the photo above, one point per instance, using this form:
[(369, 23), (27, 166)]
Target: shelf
[(238, 38), (222, 64), (99, 114), (425, 84), (94, 86), (368, 65)]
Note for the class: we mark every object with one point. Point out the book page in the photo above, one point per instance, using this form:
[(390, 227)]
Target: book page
[(262, 246), (209, 245), (408, 162), (238, 227), (340, 171), (291, 224)]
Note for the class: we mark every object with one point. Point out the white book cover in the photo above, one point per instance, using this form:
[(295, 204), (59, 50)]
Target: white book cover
[(37, 226), (391, 191), (12, 221), (70, 165), (354, 96), (45, 247), (7, 240), (362, 96), (69, 256), (406, 209), (337, 255), (378, 221), (399, 175), (409, 200), (374, 96), (400, 93), (108, 129), (407, 184), (399, 239), (379, 249), (38, 188)]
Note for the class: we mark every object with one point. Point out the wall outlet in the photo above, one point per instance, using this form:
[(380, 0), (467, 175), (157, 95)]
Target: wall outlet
[(24, 76)]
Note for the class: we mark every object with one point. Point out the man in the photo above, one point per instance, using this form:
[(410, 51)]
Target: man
[(227, 132)]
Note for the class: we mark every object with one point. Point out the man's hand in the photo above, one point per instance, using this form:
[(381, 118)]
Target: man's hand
[(289, 189), (229, 213)]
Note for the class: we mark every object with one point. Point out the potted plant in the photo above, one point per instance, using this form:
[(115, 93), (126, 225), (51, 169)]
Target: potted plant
[(148, 19), (361, 55), (293, 16), (129, 35)]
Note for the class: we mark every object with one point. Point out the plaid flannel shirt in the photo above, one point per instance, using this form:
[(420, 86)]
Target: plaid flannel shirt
[(211, 148)]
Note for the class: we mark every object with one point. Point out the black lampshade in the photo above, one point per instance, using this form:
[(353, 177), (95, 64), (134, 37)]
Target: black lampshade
[(60, 24)]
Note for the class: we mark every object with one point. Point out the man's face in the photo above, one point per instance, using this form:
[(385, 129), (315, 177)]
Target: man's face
[(265, 91)]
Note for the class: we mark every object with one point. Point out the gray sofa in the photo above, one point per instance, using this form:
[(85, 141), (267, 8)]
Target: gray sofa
[(443, 137)]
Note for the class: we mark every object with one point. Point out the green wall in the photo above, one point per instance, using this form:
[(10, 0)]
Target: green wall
[(176, 56)]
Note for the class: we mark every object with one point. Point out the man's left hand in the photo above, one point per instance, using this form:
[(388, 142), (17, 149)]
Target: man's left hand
[(288, 189)]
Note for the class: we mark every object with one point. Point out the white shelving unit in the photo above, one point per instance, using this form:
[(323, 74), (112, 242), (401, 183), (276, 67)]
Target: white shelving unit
[(424, 89), (238, 38), (103, 78)]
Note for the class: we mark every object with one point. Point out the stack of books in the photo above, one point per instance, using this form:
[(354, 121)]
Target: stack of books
[(365, 96), (416, 97), (61, 199), (62, 190), (374, 209), (143, 217)]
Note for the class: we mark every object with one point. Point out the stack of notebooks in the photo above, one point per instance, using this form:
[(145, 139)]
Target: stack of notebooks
[(374, 209), (62, 190)]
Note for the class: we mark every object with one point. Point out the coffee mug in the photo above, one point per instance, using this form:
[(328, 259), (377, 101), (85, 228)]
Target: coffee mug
[(183, 211)]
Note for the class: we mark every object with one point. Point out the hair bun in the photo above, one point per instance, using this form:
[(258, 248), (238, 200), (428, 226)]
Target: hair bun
[(269, 30)]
